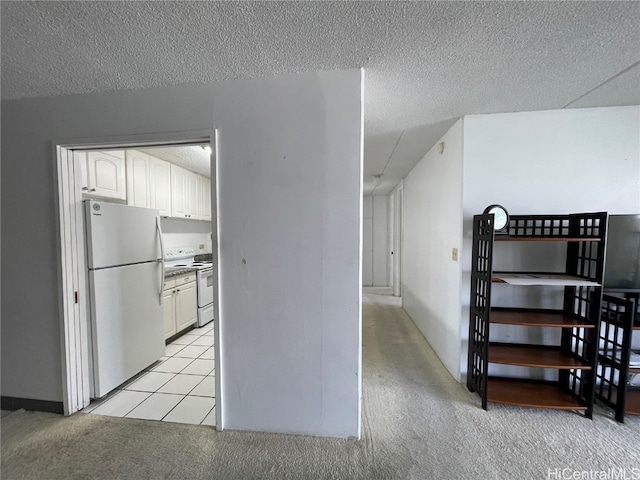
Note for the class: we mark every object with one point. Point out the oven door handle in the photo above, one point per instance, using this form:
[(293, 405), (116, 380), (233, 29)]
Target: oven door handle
[(161, 259)]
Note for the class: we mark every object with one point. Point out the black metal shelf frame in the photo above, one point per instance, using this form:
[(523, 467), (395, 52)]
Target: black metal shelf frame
[(586, 237), (614, 341)]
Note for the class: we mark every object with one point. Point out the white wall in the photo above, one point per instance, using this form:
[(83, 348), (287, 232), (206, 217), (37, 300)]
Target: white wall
[(395, 239), (432, 226), (559, 161), (375, 260), (187, 233), (381, 240), (31, 333), (289, 198), (31, 341), (367, 241)]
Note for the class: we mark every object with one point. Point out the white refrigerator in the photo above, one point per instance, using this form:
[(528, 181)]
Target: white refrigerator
[(124, 260)]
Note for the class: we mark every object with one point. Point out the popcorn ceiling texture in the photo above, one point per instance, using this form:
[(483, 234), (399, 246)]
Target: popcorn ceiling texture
[(426, 63), (192, 158)]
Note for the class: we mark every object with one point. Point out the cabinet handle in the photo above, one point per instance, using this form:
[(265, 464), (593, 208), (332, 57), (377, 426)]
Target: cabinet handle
[(92, 190), (85, 188)]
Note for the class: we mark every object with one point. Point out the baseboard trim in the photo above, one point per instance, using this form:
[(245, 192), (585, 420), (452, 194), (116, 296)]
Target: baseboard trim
[(15, 403)]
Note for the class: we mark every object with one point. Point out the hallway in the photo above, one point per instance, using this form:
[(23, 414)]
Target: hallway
[(417, 423)]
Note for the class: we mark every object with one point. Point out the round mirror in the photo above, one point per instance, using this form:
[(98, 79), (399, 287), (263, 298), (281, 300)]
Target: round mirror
[(500, 215)]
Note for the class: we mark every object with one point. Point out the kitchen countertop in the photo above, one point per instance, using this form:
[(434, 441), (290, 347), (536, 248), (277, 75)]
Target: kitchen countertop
[(179, 271)]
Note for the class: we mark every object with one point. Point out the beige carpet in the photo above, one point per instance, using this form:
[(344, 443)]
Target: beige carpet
[(418, 423)]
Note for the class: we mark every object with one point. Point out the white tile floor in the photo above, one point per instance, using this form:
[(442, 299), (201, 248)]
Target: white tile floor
[(181, 388)]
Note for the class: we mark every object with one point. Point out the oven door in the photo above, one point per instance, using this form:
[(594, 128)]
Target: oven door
[(205, 315), (205, 287)]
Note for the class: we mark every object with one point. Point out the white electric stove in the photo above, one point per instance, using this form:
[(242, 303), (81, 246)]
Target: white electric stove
[(179, 260)]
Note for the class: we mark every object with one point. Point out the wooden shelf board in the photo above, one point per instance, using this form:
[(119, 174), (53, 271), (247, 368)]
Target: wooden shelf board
[(634, 369), (632, 402), (541, 279), (537, 319), (533, 356), (509, 238), (529, 394)]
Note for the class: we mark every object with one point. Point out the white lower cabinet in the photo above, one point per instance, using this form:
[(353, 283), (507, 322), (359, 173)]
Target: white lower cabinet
[(168, 312), (186, 305), (180, 303)]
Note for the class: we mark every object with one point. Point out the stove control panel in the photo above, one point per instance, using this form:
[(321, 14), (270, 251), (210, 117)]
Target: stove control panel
[(176, 253)]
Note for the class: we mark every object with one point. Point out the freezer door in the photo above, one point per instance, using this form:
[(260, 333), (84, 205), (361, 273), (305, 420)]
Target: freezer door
[(127, 323), (120, 234)]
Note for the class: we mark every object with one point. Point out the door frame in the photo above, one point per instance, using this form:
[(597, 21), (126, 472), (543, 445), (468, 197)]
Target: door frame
[(73, 287), (397, 227)]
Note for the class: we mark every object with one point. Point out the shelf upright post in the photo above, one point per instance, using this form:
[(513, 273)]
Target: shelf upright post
[(480, 305), (585, 260), (614, 340)]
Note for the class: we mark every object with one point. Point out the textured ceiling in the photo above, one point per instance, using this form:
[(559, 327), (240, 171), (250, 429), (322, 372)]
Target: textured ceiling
[(426, 63), (191, 157)]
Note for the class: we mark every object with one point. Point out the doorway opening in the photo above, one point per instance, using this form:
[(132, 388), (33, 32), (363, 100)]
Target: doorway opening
[(395, 228), (176, 179)]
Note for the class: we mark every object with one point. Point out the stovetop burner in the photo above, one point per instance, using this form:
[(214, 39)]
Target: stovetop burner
[(183, 257)]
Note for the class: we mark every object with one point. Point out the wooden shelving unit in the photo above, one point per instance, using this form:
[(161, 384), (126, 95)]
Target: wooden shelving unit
[(632, 404), (525, 393), (580, 281), (537, 318), (616, 328), (534, 356)]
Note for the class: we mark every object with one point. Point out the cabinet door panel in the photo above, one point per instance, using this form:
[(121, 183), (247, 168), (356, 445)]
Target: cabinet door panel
[(178, 189), (80, 159), (186, 306), (107, 174), (193, 194), (137, 179), (168, 313), (160, 185), (205, 198)]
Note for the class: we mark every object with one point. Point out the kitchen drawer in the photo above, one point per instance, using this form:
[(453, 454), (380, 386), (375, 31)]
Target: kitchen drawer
[(169, 283), (182, 279)]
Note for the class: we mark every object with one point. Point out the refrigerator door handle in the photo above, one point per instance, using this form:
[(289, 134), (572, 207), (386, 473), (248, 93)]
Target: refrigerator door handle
[(161, 259)]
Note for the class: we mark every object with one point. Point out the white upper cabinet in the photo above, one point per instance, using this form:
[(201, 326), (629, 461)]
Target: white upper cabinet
[(103, 174), (160, 185), (148, 182), (193, 195), (81, 159), (185, 187), (145, 181), (138, 187), (178, 189), (205, 198)]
